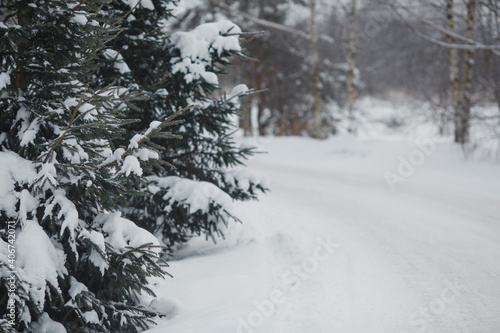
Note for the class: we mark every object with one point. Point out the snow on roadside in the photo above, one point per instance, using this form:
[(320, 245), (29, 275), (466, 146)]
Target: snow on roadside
[(334, 248), (229, 286)]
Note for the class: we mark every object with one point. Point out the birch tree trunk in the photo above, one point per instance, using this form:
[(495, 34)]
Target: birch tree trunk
[(462, 134), (351, 62), (497, 96), (454, 70), (260, 102), (316, 109)]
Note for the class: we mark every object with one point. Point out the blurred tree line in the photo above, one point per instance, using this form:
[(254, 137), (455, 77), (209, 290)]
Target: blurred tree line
[(310, 60)]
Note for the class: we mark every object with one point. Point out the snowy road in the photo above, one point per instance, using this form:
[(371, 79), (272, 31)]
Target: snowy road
[(413, 260), (422, 258)]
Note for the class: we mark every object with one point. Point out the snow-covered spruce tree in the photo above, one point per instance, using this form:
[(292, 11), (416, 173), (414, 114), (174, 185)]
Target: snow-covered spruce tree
[(68, 260), (174, 70)]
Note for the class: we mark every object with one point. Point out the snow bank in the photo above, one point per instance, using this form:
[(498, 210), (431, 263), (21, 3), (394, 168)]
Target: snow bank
[(396, 250)]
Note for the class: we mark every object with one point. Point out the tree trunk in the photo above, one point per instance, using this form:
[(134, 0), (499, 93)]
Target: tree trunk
[(316, 109), (464, 117), (351, 62), (260, 103), (455, 76), (497, 97), (245, 119)]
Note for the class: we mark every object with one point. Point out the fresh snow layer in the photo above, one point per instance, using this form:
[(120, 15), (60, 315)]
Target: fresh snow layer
[(335, 248), (119, 63), (4, 80), (14, 170), (123, 233), (198, 195), (79, 18), (46, 325), (148, 4), (197, 46), (38, 261)]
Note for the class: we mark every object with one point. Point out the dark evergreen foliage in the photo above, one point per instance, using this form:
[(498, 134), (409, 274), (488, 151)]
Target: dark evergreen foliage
[(86, 90), (207, 150), (63, 127)]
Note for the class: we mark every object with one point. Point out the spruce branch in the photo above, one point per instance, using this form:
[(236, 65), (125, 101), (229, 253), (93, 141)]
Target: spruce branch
[(75, 115), (80, 102), (79, 5), (146, 136), (89, 125), (120, 19)]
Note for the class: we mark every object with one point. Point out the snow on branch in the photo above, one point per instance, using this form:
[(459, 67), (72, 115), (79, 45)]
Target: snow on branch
[(39, 262), (198, 195), (129, 159), (15, 173), (66, 208), (247, 180), (199, 47), (148, 4), (124, 234)]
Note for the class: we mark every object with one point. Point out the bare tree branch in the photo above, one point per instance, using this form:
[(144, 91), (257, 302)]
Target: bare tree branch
[(470, 44), (456, 46), (265, 23)]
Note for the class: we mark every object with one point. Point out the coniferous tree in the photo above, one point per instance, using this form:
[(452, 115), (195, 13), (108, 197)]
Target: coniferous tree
[(71, 158), (287, 76), (68, 260), (174, 70)]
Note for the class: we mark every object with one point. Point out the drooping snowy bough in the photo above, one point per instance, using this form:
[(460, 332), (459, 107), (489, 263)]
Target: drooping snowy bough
[(177, 70)]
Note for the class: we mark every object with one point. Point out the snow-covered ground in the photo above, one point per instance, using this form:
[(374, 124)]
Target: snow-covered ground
[(377, 233)]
